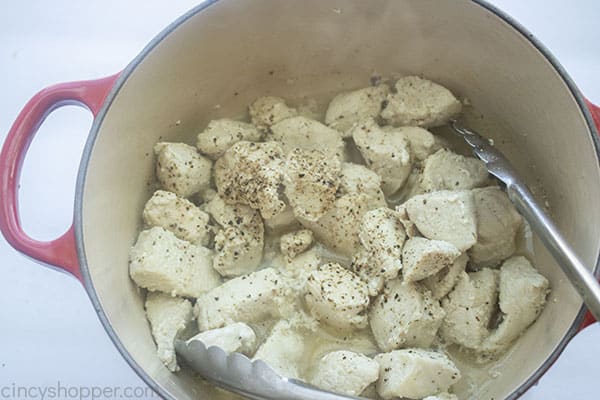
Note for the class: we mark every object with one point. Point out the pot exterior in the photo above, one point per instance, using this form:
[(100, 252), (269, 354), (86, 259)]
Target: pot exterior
[(221, 56)]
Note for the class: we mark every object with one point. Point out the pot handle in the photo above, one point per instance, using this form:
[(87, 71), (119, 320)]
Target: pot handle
[(61, 252), (595, 112)]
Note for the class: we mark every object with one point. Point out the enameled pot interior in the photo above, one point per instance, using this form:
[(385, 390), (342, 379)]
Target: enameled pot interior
[(221, 58)]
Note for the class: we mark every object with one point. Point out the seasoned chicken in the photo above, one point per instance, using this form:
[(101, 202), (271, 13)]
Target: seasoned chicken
[(181, 169), (160, 261), (251, 173), (221, 134), (420, 102)]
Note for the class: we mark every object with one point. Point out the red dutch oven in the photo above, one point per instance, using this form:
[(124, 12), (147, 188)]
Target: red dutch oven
[(223, 54)]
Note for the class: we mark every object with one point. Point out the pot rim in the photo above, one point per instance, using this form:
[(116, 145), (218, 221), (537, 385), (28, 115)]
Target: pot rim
[(78, 209)]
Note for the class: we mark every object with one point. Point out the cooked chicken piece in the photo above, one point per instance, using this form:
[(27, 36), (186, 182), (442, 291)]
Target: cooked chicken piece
[(160, 261), (415, 373), (251, 173), (221, 134), (441, 283), (405, 315), (308, 134), (445, 170), (349, 108), (386, 153), (423, 258), (420, 102), (357, 179), (239, 245), (368, 267), (422, 142), (382, 236), (249, 298), (382, 232), (338, 228), (283, 350), (337, 297), (283, 222), (445, 215), (235, 337), (181, 169), (297, 242), (497, 225), (311, 181), (302, 265), (179, 216), (168, 317), (269, 110), (345, 372), (470, 307), (522, 296)]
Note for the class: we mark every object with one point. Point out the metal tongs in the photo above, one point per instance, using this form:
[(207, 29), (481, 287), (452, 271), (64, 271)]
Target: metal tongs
[(253, 379), (582, 279)]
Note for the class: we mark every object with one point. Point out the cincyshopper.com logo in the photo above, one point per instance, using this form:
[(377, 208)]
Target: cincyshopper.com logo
[(67, 392)]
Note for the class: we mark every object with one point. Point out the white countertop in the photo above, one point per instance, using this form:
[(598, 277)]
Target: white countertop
[(49, 331)]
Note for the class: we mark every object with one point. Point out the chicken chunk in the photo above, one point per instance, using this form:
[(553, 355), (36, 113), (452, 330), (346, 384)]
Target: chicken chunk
[(239, 245), (368, 267), (283, 350), (422, 142), (283, 222), (235, 337), (469, 308), (180, 169), (251, 173), (382, 232), (249, 298), (349, 108), (415, 373), (269, 110), (238, 215), (404, 315), (311, 181), (357, 179), (445, 215), (168, 316), (302, 265), (441, 283), (498, 223), (338, 228), (345, 372), (221, 134), (179, 216), (308, 134), (160, 261), (423, 257), (297, 242), (420, 102), (236, 253), (337, 297), (445, 170), (522, 296), (386, 153), (382, 236)]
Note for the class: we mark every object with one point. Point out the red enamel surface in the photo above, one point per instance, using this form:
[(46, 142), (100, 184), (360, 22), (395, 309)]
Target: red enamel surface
[(60, 252), (595, 111)]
